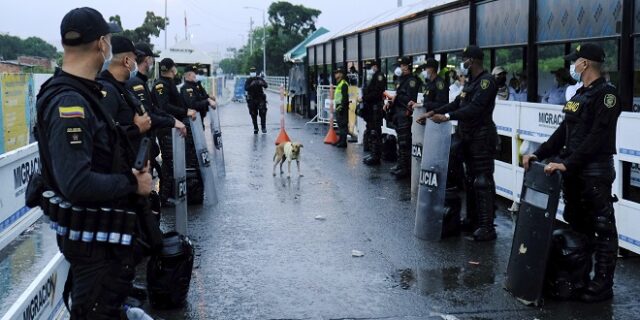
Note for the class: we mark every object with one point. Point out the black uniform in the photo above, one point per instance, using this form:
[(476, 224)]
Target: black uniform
[(473, 109), (373, 99), (585, 143), (86, 159), (159, 118), (407, 87), (257, 101), (194, 97), (436, 93)]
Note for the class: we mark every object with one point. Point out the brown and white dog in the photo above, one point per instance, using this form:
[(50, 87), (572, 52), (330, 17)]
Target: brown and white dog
[(288, 151)]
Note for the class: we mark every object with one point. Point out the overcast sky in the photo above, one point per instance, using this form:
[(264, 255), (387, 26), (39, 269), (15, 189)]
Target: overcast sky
[(214, 24)]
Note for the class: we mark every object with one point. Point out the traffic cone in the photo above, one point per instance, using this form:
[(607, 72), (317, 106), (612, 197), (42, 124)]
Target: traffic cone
[(282, 136), (331, 137)]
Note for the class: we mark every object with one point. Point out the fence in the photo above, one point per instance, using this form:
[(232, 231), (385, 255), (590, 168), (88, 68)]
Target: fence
[(275, 83)]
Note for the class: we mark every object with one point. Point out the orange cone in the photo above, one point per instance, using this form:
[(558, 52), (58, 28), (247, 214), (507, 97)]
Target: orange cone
[(331, 137), (282, 136)]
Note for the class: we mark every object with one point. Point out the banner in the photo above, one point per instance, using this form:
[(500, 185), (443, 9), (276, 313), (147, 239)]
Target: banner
[(17, 100)]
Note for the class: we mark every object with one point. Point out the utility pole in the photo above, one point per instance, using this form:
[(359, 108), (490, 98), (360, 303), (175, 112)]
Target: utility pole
[(264, 39), (251, 34), (165, 25)]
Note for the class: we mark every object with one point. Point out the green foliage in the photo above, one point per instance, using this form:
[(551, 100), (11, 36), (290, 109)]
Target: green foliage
[(152, 26), (11, 47), (289, 25)]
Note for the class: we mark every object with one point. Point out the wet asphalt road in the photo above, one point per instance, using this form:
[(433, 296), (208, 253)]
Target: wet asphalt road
[(261, 254)]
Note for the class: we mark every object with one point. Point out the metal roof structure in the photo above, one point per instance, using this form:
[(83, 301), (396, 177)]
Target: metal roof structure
[(385, 18), (299, 52)]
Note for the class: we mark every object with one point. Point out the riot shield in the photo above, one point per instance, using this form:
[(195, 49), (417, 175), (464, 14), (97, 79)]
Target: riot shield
[(179, 198), (206, 169), (216, 131), (532, 239), (430, 207), (417, 135)]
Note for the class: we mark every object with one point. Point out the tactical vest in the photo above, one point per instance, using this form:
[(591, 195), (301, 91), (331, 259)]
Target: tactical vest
[(337, 94), (579, 119)]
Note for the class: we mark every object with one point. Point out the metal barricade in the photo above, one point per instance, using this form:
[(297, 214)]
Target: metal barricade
[(417, 136), (322, 107)]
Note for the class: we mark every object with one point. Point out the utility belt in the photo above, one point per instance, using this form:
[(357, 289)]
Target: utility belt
[(106, 225)]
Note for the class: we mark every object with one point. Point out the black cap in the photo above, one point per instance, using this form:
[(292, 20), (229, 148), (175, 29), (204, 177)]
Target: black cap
[(166, 64), (431, 63), (192, 68), (370, 63), (145, 49), (120, 44), (587, 51), (405, 60), (252, 69), (339, 70), (84, 25), (472, 52)]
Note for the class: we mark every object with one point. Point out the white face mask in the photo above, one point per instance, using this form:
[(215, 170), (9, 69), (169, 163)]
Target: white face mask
[(424, 74), (574, 74), (397, 71), (107, 59), (464, 71), (252, 74)]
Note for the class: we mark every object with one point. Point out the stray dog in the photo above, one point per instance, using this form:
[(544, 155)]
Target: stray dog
[(287, 151)]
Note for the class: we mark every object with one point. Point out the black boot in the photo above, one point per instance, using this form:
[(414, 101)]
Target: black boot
[(372, 161), (484, 190), (606, 251), (366, 144)]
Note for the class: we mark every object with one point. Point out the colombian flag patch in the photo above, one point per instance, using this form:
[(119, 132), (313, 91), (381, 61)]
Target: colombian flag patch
[(71, 112)]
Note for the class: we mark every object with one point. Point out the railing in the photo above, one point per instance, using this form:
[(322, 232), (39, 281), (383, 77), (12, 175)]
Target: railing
[(275, 83)]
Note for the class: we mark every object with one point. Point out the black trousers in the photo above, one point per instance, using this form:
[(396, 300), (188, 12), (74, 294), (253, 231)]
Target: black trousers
[(373, 130), (258, 107), (101, 277), (589, 210), (403, 122), (342, 117)]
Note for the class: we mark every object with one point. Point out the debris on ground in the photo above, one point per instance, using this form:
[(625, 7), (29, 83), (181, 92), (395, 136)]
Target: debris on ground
[(357, 254)]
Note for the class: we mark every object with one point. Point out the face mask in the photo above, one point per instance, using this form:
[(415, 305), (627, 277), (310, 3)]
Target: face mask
[(253, 74), (463, 70), (397, 71), (574, 74), (107, 59), (134, 72), (370, 72)]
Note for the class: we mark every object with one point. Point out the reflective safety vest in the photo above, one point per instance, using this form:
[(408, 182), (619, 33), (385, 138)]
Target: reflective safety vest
[(337, 94)]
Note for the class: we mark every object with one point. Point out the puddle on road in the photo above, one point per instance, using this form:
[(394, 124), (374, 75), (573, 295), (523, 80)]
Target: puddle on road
[(437, 281)]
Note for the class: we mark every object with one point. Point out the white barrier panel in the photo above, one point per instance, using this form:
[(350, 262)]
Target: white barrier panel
[(16, 168), (539, 121), (628, 212), (43, 298)]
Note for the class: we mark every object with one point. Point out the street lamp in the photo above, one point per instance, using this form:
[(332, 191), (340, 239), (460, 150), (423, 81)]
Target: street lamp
[(264, 39)]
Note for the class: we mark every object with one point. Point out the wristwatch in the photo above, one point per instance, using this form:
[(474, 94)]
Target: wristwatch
[(446, 115)]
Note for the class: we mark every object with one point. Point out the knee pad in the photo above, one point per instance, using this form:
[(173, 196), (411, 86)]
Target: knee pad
[(483, 182), (605, 226)]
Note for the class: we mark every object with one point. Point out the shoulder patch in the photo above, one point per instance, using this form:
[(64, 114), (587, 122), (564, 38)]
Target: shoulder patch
[(440, 85), (138, 87), (159, 86), (74, 136), (104, 93), (412, 83), (189, 90), (71, 112), (610, 100), (484, 84)]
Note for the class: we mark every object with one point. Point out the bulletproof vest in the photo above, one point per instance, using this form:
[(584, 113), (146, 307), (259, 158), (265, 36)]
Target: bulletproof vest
[(254, 89), (578, 119), (337, 94)]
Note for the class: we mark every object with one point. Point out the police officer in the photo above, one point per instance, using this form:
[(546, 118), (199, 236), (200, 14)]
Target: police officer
[(435, 90), (82, 153), (192, 92), (341, 103), (407, 87), (256, 100), (500, 75), (169, 99), (582, 149), (373, 99), (473, 109), (138, 85), (127, 110)]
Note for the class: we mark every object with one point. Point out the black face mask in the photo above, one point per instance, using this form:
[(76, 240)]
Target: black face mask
[(501, 81)]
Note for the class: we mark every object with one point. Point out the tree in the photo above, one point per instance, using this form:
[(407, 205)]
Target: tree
[(151, 26), (11, 47), (295, 19)]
